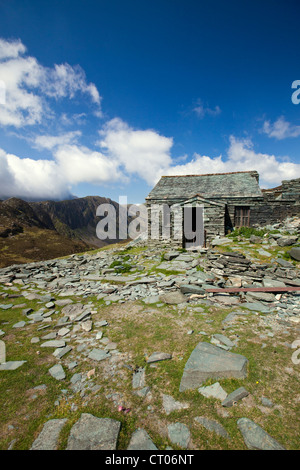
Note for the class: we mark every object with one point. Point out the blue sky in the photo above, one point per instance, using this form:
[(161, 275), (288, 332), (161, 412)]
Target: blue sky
[(103, 97)]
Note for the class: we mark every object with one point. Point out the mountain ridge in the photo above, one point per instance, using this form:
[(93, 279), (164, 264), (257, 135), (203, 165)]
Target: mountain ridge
[(47, 229)]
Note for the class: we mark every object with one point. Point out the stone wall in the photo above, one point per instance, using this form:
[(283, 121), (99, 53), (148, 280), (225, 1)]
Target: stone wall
[(272, 207)]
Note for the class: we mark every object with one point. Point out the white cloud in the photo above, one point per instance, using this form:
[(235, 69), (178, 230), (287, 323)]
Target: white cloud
[(53, 179), (241, 157), (49, 142), (31, 179), (141, 152), (81, 164), (29, 87), (11, 49), (281, 129), (201, 111)]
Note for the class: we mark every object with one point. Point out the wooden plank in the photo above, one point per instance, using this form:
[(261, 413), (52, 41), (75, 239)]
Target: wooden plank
[(253, 289)]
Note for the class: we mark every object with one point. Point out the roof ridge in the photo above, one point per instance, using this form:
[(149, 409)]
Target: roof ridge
[(210, 174)]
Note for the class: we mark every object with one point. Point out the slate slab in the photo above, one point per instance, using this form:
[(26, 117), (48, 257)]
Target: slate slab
[(2, 352), (57, 372), (179, 434), (48, 437), (295, 253), (92, 433), (11, 365), (255, 437), (139, 379), (212, 426), (98, 355), (140, 440), (235, 396), (208, 361), (158, 356), (55, 343), (213, 391), (191, 289), (170, 405)]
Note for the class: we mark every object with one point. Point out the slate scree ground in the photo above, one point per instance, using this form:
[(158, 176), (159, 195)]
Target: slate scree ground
[(135, 347)]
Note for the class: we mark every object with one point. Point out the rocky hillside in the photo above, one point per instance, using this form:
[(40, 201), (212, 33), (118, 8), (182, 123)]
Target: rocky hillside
[(141, 348), (33, 231)]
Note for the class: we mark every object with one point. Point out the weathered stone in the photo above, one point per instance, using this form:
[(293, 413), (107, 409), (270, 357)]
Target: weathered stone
[(91, 433), (255, 239), (179, 434), (63, 331), (11, 365), (295, 253), (6, 306), (225, 299), (224, 340), (209, 361), (48, 437), (171, 255), (57, 372), (98, 355), (263, 296), (87, 325), (287, 241), (213, 391), (173, 298), (138, 379), (20, 324), (235, 396), (212, 426), (255, 437), (2, 352), (170, 405), (60, 352), (158, 356), (192, 289), (55, 343), (140, 440)]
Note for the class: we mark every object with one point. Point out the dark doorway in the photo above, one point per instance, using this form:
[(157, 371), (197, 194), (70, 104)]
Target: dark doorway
[(242, 216), (193, 227)]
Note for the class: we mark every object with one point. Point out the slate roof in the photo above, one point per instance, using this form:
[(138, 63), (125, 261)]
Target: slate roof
[(210, 186)]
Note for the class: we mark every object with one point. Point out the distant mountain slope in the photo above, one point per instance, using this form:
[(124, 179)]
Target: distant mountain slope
[(75, 218), (31, 231)]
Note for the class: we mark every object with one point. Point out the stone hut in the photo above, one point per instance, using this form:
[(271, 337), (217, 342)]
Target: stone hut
[(220, 201)]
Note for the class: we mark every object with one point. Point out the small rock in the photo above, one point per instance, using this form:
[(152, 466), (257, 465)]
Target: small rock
[(140, 440), (57, 372), (235, 396), (169, 404), (213, 391), (179, 434), (212, 426), (158, 356)]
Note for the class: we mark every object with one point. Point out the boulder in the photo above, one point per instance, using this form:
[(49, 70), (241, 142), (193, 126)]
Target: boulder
[(255, 437), (92, 433), (211, 362)]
